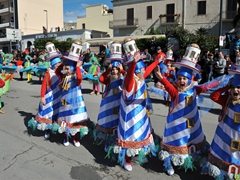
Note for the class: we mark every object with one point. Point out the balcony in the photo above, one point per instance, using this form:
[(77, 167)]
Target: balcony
[(169, 19), (5, 25), (124, 23), (5, 10), (229, 15)]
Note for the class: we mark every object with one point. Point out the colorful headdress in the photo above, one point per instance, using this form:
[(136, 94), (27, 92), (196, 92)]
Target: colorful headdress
[(115, 63), (140, 64), (94, 60), (55, 61), (189, 60), (72, 65), (52, 53), (75, 51)]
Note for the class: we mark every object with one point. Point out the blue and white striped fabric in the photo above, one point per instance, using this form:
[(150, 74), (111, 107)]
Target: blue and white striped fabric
[(177, 132), (134, 124), (227, 130), (52, 97), (74, 110), (106, 117)]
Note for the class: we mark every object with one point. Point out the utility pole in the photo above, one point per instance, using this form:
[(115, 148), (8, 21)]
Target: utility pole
[(220, 24)]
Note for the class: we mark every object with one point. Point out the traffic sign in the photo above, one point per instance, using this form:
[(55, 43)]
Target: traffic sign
[(220, 40), (13, 34)]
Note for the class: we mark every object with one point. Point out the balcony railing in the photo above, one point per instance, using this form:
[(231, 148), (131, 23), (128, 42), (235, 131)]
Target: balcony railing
[(5, 10), (124, 23), (169, 19)]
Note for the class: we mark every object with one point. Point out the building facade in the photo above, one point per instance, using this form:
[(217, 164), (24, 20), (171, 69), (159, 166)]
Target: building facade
[(97, 18), (30, 17), (136, 17)]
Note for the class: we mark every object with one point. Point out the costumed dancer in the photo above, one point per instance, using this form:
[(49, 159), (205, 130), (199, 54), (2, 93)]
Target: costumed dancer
[(108, 116), (167, 72), (2, 84), (224, 154), (27, 67), (50, 96), (134, 137), (94, 71), (44, 64), (4, 87), (9, 67), (183, 135), (72, 118), (19, 64)]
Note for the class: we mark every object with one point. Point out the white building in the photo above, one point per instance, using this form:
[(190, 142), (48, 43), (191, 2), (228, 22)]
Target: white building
[(135, 17)]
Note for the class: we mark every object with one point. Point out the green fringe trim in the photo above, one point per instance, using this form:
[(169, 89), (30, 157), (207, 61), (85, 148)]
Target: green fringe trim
[(83, 132), (188, 164), (32, 124), (55, 127), (141, 156), (108, 155)]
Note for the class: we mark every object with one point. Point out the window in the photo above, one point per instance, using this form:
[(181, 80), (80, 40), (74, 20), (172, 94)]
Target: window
[(130, 16), (231, 9), (201, 7), (170, 12), (83, 25), (149, 12)]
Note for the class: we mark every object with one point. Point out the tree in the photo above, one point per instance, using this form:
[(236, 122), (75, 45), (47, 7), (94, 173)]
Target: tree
[(201, 31)]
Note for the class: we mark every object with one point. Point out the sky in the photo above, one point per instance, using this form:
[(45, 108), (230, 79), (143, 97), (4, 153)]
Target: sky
[(77, 8)]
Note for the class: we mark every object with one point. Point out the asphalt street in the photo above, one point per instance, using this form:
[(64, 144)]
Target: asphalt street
[(25, 154)]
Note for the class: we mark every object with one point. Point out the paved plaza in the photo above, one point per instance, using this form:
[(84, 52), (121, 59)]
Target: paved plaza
[(27, 155)]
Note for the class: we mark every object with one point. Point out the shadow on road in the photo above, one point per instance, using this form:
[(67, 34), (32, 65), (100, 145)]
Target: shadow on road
[(35, 82), (86, 91), (26, 117), (97, 151)]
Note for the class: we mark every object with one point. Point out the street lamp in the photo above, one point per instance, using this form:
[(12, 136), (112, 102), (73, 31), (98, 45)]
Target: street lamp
[(46, 19)]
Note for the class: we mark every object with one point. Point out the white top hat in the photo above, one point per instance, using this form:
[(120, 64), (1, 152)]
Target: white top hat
[(52, 53), (169, 55), (190, 58), (116, 52), (75, 51), (130, 48)]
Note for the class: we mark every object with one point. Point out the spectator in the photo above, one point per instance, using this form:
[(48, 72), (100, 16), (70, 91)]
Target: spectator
[(228, 63), (153, 45), (147, 60), (35, 60), (202, 62), (158, 56), (86, 58), (220, 64), (209, 67)]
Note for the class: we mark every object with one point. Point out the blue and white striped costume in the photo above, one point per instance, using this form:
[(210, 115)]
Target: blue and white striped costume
[(134, 123), (183, 126), (49, 111), (72, 111), (108, 116), (111, 100), (134, 128), (226, 143)]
